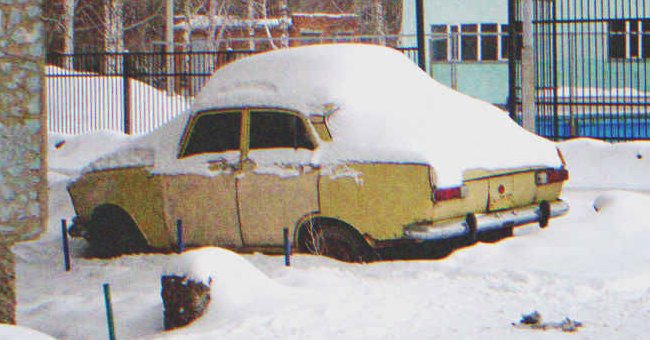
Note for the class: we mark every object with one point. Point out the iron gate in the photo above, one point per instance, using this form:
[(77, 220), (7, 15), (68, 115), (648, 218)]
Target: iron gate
[(591, 65)]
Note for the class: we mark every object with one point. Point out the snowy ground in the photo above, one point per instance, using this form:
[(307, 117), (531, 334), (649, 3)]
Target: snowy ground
[(591, 266)]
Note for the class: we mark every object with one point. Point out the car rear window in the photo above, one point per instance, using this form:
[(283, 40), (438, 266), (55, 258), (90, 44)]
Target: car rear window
[(214, 132), (273, 129)]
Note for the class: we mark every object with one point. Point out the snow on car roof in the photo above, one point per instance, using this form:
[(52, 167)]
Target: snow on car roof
[(380, 107), (385, 109)]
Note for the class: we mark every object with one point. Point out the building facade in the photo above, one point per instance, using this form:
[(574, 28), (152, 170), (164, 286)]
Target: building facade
[(466, 44)]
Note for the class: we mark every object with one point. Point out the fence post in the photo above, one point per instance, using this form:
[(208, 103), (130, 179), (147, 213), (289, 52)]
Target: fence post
[(66, 244), (287, 247), (179, 236), (109, 312), (528, 76), (512, 59), (126, 92), (419, 20)]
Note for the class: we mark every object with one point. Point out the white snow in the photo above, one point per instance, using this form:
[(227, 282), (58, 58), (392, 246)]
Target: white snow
[(203, 22), (325, 15), (9, 332), (380, 106), (74, 153), (591, 266), (600, 165)]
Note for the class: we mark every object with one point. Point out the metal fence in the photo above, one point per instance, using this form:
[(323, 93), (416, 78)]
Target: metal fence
[(591, 65), (130, 92)]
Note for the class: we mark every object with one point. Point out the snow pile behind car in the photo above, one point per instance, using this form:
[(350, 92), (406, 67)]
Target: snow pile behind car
[(620, 165), (379, 107)]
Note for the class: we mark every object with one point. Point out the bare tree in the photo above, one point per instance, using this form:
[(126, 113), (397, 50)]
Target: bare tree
[(284, 17), (68, 26), (250, 9), (263, 9), (113, 26), (380, 26)]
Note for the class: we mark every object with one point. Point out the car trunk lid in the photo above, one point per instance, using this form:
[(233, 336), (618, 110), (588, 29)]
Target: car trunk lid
[(507, 188)]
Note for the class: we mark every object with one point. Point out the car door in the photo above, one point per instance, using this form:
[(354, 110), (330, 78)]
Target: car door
[(277, 185), (203, 193)]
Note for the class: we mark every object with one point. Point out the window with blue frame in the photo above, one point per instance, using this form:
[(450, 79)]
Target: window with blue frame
[(629, 39), (473, 42)]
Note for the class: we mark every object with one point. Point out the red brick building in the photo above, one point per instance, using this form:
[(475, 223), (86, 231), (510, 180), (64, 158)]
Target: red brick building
[(307, 21), (264, 34)]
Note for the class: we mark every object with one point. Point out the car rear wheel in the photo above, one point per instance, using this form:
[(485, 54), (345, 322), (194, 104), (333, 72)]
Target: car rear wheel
[(336, 241), (112, 232)]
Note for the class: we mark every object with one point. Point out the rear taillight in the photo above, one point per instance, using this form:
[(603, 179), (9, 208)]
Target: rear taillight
[(551, 176), (450, 193)]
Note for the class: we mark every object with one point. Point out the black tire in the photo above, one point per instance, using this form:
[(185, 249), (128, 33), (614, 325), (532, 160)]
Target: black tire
[(544, 214), (331, 239), (472, 225), (112, 232), (493, 236)]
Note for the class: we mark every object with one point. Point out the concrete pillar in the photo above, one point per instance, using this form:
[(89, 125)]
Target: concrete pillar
[(23, 137), (528, 79), (7, 285)]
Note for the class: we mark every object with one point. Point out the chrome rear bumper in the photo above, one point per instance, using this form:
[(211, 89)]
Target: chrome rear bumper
[(483, 222)]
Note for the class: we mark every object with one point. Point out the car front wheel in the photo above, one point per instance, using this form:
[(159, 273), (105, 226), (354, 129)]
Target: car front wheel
[(335, 241)]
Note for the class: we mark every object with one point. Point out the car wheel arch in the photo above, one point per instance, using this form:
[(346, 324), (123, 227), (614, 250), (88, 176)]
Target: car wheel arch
[(364, 250), (323, 220), (124, 220)]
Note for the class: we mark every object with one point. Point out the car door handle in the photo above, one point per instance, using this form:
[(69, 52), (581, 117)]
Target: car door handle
[(220, 165)]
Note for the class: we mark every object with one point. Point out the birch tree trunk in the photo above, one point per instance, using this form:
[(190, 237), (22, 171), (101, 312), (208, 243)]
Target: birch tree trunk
[(251, 25), (379, 21), (212, 19), (114, 30), (284, 14), (113, 33), (68, 33), (68, 23)]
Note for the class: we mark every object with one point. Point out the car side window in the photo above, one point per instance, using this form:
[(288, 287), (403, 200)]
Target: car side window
[(274, 129), (214, 132)]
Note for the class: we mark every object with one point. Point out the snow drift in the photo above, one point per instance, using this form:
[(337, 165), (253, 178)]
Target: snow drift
[(9, 332), (597, 164)]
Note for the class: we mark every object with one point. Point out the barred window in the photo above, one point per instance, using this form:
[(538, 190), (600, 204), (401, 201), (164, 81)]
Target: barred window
[(469, 42), (489, 42), (440, 42), (629, 39)]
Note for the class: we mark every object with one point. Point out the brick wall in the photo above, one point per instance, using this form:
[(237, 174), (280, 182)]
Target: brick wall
[(23, 181)]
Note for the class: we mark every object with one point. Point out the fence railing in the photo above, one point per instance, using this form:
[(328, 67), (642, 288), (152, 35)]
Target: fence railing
[(130, 92), (592, 69)]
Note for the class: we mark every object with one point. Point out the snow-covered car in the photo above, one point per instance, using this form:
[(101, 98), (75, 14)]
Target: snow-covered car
[(351, 147)]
